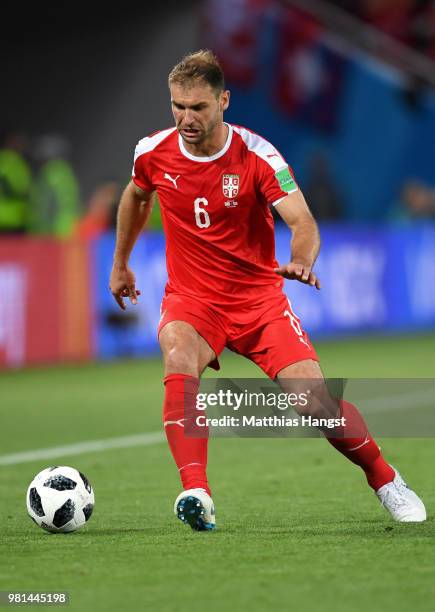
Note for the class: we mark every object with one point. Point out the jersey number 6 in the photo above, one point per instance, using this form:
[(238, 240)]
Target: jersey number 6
[(202, 217)]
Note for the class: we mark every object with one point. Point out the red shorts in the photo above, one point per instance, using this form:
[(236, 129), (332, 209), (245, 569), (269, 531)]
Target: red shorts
[(268, 333)]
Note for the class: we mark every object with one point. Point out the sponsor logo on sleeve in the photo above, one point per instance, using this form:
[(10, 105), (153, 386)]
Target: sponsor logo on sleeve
[(285, 180)]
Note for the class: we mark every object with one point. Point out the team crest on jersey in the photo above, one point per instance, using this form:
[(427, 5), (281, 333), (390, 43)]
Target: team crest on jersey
[(230, 185)]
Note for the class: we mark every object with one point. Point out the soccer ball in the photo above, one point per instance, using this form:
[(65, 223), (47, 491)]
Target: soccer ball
[(60, 499)]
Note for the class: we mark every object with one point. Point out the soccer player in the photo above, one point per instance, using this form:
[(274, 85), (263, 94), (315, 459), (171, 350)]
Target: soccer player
[(216, 184)]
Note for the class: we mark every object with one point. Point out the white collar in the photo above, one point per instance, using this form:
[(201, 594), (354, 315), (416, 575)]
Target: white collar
[(196, 158)]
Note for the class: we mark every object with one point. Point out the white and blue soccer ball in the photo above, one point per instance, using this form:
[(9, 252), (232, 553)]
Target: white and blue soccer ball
[(60, 499)]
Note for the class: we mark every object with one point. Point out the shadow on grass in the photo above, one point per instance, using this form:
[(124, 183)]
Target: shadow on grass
[(120, 531), (316, 527), (365, 529)]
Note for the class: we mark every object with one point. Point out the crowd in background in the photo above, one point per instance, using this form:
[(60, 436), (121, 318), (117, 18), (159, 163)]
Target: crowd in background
[(40, 192), (411, 22)]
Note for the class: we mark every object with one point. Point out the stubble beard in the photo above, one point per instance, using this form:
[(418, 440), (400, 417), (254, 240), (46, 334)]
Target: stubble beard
[(202, 136)]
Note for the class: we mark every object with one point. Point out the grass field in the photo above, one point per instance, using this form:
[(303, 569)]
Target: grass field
[(298, 529)]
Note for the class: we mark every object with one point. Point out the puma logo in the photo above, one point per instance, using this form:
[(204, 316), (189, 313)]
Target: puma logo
[(173, 180)]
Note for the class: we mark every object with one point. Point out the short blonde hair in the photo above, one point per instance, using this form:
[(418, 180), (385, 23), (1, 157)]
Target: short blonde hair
[(200, 65)]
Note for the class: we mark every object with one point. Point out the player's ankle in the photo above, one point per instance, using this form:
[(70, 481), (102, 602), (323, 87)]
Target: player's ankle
[(379, 473)]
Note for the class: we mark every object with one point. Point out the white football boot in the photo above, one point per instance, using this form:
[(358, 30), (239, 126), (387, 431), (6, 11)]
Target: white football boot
[(401, 502), (195, 508)]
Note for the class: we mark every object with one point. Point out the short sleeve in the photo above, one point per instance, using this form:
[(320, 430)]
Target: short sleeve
[(141, 170), (276, 180)]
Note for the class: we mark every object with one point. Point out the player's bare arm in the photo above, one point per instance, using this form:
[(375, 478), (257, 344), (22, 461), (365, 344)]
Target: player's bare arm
[(133, 212), (305, 244)]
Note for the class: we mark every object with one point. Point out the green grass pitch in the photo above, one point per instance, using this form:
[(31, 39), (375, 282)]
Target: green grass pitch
[(298, 529)]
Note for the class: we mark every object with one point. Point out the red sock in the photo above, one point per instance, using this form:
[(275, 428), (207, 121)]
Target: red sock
[(354, 441), (190, 453)]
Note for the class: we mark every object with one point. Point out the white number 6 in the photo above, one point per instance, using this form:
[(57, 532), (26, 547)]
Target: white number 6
[(202, 217)]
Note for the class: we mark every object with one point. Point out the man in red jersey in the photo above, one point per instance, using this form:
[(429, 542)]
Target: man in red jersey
[(216, 183)]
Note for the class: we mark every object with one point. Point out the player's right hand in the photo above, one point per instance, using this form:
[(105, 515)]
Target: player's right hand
[(123, 285)]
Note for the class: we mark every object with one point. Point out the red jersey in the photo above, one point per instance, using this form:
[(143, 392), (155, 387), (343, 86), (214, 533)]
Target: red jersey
[(220, 245)]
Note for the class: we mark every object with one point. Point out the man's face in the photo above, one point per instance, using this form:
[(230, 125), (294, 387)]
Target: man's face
[(197, 110)]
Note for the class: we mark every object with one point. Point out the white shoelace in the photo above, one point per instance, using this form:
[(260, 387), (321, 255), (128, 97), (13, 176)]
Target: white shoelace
[(396, 499)]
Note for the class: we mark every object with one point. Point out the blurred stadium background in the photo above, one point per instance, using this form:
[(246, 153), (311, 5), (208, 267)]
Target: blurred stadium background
[(346, 91)]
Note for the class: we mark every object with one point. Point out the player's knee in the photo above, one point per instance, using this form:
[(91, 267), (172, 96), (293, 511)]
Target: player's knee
[(320, 405), (178, 359)]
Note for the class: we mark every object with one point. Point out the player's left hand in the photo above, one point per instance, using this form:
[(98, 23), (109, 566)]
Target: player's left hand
[(300, 272)]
